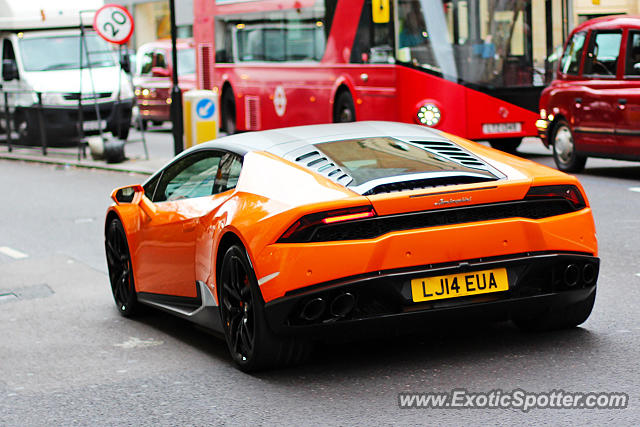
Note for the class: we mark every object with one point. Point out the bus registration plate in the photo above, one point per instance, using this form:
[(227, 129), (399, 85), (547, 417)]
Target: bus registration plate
[(494, 128), (459, 285)]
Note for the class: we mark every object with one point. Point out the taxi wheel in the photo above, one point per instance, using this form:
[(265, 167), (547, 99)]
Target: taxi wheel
[(251, 342), (120, 269), (566, 157), (559, 318)]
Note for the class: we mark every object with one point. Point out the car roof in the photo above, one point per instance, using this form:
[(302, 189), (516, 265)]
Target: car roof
[(286, 140), (609, 22), (166, 44)]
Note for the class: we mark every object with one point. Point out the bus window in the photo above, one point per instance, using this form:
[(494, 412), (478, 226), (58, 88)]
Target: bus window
[(373, 42), (275, 36)]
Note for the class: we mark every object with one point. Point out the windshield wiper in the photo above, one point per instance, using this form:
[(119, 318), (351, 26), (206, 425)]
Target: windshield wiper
[(60, 66)]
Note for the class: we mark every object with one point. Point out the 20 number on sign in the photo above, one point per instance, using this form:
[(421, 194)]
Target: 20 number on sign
[(113, 23)]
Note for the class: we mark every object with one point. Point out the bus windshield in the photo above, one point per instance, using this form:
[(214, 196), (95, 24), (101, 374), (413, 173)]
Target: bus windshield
[(497, 43), (63, 53)]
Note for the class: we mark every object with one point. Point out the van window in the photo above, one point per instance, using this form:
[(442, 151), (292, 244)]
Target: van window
[(570, 62), (63, 53), (632, 67), (602, 57)]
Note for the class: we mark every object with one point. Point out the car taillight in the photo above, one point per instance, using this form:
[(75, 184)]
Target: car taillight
[(302, 230), (570, 193)]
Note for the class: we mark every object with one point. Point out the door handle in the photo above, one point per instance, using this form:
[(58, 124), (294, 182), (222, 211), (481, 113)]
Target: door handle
[(622, 101), (190, 225)]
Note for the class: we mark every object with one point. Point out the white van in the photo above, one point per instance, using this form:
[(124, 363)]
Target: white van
[(47, 62)]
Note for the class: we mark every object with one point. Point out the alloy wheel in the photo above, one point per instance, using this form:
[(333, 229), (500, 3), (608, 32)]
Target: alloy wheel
[(237, 308), (563, 143), (119, 264)]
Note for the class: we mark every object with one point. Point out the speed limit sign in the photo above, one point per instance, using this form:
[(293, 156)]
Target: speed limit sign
[(113, 23)]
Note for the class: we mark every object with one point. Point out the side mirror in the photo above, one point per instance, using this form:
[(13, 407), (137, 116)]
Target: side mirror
[(134, 194), (160, 72), (9, 70)]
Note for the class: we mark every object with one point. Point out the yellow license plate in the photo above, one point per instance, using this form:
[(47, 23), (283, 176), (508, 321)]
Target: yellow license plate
[(459, 285)]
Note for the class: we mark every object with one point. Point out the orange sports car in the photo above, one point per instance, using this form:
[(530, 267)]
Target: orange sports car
[(279, 237)]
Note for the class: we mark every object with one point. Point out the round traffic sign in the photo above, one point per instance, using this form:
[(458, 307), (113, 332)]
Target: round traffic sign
[(113, 23), (205, 108)]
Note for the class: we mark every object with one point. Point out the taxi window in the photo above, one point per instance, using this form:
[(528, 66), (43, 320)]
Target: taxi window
[(602, 57), (570, 62), (632, 67)]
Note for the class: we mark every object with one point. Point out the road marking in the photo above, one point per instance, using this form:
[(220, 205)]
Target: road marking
[(134, 342), (12, 253), (635, 189)]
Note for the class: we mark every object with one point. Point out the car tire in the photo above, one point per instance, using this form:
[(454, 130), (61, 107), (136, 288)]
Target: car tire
[(228, 112), (508, 145), (120, 269), (344, 110), (252, 344), (566, 157), (558, 318)]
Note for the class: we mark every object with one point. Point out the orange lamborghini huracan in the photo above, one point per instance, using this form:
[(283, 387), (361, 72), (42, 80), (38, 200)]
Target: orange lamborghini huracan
[(276, 238)]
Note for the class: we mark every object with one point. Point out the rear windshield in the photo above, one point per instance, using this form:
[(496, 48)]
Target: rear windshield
[(367, 159)]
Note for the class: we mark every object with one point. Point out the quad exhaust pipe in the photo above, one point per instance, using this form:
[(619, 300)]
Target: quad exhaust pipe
[(573, 273), (339, 307), (342, 305)]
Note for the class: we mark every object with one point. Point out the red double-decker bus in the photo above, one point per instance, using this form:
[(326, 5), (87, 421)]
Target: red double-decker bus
[(474, 68)]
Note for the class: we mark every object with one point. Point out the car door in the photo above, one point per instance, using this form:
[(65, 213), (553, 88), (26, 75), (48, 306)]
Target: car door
[(628, 99), (596, 106), (185, 193)]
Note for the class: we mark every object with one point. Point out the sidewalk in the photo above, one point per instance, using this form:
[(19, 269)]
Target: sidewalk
[(159, 144)]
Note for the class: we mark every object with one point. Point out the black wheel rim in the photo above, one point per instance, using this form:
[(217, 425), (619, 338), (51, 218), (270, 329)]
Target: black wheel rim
[(119, 263), (237, 309)]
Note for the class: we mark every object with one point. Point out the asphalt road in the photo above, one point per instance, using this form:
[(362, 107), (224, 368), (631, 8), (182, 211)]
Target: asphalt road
[(68, 358)]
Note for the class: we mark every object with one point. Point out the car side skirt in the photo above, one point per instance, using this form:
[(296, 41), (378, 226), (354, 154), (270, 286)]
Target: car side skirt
[(202, 310)]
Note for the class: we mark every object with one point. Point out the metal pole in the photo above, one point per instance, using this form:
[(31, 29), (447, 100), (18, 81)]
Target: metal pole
[(43, 131), (7, 116), (176, 94)]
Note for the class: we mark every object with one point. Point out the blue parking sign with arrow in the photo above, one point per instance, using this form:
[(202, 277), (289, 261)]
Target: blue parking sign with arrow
[(205, 108)]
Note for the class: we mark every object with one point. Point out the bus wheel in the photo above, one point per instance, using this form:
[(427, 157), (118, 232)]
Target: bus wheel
[(344, 110), (508, 145), (228, 112)]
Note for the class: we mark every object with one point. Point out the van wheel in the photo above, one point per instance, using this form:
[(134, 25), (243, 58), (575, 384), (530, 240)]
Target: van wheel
[(344, 110), (564, 150), (228, 112), (25, 129)]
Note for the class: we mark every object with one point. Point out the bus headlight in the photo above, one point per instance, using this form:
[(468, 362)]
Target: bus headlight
[(428, 114), (543, 114)]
